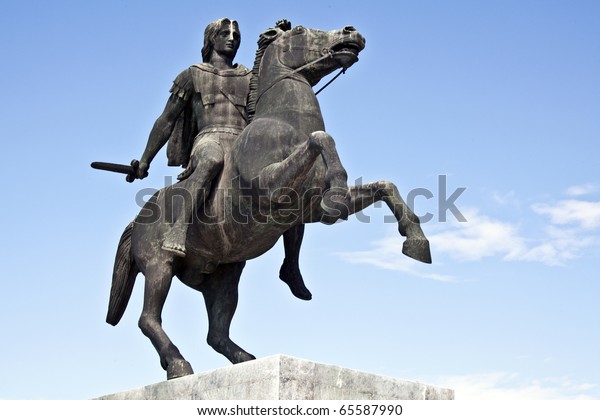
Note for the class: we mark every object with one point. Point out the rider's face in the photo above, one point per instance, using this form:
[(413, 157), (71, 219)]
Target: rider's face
[(227, 40)]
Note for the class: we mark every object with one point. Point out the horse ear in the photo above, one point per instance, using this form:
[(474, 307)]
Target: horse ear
[(284, 24), (269, 36)]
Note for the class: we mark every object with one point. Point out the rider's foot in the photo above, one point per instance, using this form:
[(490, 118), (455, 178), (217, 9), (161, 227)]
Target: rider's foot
[(293, 278), (186, 173)]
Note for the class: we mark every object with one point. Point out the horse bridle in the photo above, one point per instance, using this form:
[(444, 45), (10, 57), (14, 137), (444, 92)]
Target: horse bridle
[(329, 54)]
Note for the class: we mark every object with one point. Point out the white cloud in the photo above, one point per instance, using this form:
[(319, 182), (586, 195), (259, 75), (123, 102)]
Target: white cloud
[(570, 230), (387, 253), (585, 214), (480, 237), (583, 189), (507, 198), (560, 245), (511, 386), (483, 237)]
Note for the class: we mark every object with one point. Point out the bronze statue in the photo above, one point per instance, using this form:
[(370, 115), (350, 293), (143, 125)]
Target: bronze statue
[(205, 113), (282, 171)]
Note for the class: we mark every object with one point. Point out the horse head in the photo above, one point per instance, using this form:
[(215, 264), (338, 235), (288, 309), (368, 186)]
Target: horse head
[(302, 53)]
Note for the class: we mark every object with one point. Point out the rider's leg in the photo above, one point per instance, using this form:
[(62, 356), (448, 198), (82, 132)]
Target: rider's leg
[(290, 269), (207, 161)]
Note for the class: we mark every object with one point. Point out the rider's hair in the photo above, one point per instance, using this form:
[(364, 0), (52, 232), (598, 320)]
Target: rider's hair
[(211, 31)]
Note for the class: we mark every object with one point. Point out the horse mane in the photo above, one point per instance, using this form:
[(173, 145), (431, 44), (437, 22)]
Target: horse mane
[(265, 39)]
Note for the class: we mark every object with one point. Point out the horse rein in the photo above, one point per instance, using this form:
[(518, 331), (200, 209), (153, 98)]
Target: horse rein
[(342, 71)]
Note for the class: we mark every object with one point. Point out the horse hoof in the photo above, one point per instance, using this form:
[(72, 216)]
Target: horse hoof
[(242, 356), (300, 291), (295, 282), (417, 249), (179, 368)]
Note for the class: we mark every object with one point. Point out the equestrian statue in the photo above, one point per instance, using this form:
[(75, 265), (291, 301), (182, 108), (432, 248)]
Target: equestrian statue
[(258, 166)]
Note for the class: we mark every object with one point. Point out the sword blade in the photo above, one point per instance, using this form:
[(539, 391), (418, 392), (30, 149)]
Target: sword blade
[(114, 167), (129, 170)]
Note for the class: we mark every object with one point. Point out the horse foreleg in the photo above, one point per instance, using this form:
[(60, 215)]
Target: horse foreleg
[(336, 202), (416, 244), (158, 282), (220, 291), (290, 173)]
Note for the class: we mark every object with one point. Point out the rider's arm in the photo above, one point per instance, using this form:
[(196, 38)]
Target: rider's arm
[(181, 93), (161, 131)]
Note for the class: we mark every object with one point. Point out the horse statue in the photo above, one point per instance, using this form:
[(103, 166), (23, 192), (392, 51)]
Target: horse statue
[(284, 170)]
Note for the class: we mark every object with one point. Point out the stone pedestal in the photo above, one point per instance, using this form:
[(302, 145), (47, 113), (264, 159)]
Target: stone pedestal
[(284, 378)]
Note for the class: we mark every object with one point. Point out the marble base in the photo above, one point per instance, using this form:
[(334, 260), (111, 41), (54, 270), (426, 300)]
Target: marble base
[(283, 377)]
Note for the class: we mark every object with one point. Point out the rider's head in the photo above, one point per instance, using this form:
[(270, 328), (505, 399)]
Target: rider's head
[(222, 36)]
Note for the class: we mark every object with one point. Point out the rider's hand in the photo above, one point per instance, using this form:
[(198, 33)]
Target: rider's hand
[(142, 170)]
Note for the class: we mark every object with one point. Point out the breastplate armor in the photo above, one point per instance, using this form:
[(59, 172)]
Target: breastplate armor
[(221, 96)]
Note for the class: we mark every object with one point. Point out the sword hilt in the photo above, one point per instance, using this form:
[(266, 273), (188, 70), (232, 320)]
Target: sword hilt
[(134, 165)]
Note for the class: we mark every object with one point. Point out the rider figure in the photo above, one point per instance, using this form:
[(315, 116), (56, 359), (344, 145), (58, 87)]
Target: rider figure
[(204, 115)]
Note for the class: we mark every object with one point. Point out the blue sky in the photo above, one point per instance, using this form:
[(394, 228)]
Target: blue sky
[(501, 98)]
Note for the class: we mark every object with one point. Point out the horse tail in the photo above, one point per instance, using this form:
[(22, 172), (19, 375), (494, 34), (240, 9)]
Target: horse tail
[(124, 274)]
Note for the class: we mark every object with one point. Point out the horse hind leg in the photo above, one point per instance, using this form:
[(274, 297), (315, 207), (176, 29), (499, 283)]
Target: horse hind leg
[(158, 283), (220, 291), (290, 269), (416, 244)]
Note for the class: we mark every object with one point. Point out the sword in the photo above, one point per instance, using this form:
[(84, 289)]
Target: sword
[(129, 170)]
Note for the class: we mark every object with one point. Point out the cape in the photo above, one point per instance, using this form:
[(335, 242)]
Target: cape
[(198, 78)]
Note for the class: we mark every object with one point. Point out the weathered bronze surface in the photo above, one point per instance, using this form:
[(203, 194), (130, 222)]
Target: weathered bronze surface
[(244, 186)]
